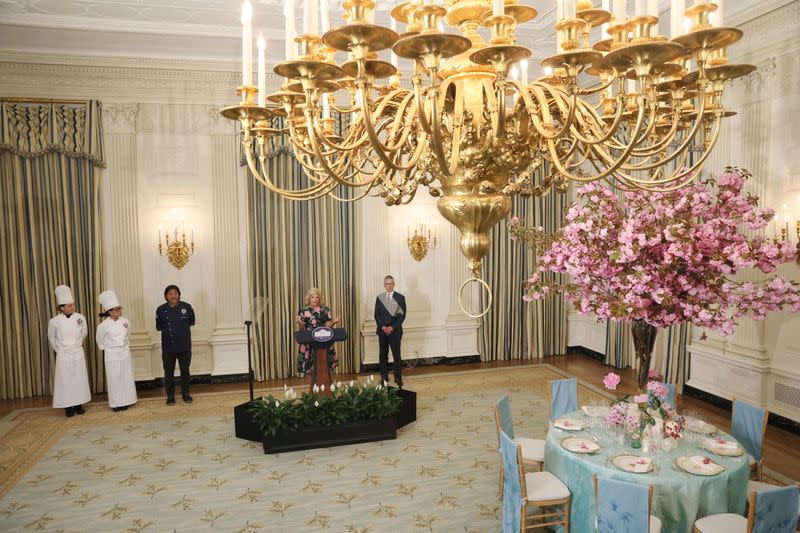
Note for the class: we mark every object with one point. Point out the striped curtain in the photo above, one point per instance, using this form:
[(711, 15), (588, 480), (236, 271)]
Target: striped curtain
[(294, 246), (514, 329), (50, 156)]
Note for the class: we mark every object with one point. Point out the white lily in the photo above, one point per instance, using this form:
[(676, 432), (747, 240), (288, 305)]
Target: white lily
[(322, 387), (316, 404), (339, 384), (333, 387), (277, 403), (351, 382), (315, 388)]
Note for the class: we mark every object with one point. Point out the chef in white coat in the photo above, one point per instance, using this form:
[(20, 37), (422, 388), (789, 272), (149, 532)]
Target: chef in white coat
[(113, 335), (66, 332)]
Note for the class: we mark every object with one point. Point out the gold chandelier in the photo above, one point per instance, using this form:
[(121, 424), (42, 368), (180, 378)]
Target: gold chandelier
[(626, 109)]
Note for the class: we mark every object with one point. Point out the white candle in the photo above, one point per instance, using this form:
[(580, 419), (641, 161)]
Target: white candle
[(392, 55), (641, 8), (523, 67), (324, 16), (247, 43), (310, 17), (498, 8), (262, 71), (326, 106), (620, 13), (569, 9), (631, 86), (676, 18), (559, 10), (717, 18), (606, 5), (288, 13), (652, 10)]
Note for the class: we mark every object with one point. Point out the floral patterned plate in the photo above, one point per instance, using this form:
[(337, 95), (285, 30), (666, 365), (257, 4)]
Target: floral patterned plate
[(633, 464), (579, 445), (568, 424), (699, 465), (722, 447), (700, 426)]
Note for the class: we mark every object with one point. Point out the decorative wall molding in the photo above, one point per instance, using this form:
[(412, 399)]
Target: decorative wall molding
[(120, 118)]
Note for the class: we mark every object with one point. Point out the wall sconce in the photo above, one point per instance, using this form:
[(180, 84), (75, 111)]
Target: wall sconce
[(421, 238), (177, 249)]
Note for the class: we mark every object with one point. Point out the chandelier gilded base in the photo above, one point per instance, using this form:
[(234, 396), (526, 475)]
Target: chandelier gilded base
[(474, 135)]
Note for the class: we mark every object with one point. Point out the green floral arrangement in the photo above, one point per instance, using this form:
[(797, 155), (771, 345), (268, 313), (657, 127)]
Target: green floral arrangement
[(349, 402)]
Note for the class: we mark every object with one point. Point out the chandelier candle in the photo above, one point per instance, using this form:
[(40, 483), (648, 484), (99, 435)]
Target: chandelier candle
[(291, 33), (455, 132), (676, 21), (262, 71), (247, 44)]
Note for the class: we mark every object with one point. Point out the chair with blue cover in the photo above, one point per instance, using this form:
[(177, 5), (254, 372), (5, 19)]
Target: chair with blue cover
[(532, 449), (542, 490), (769, 511), (670, 399), (563, 396), (624, 506), (749, 426)]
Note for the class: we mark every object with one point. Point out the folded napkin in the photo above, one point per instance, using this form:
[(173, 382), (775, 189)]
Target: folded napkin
[(722, 444), (694, 424), (583, 446), (699, 461), (642, 464), (569, 424), (595, 410)]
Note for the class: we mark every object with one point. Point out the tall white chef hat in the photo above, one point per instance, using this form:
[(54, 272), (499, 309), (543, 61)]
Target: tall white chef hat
[(108, 300), (64, 295)]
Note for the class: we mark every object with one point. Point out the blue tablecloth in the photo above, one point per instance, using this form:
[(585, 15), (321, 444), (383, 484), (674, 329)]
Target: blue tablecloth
[(678, 498)]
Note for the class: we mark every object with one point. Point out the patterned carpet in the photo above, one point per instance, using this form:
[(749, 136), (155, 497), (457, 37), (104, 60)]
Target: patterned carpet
[(155, 468)]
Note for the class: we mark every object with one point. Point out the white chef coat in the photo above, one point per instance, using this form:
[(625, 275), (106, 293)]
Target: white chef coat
[(112, 337), (66, 334)]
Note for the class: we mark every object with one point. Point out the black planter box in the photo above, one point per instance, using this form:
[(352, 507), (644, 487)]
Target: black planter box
[(326, 436), (408, 409), (243, 421)]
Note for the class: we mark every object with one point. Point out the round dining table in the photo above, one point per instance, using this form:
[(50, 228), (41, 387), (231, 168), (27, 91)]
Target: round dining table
[(679, 498)]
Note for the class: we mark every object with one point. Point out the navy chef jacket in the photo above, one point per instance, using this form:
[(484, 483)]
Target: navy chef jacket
[(174, 324)]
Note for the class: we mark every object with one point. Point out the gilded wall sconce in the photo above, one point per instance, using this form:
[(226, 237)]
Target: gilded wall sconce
[(421, 238), (174, 245)]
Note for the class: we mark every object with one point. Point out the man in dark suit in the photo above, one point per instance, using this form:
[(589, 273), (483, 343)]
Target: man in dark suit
[(390, 312)]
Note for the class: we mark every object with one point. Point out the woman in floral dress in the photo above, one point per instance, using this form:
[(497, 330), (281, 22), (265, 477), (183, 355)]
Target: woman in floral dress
[(312, 315)]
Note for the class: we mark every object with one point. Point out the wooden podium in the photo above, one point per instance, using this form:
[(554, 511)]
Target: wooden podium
[(320, 339)]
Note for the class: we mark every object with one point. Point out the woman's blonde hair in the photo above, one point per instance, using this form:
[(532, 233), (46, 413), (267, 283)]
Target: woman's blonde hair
[(310, 293)]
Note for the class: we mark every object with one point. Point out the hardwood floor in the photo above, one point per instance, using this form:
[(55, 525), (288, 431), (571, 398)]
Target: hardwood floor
[(781, 449)]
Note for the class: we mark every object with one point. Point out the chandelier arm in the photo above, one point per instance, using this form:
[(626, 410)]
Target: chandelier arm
[(542, 130), (436, 133), (420, 101), (697, 166), (497, 106), (689, 138), (611, 131), (606, 157), (600, 87), (458, 123), (658, 146), (402, 108), (369, 126), (251, 164)]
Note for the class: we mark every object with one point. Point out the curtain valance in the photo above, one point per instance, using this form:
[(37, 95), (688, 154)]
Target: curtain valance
[(33, 129)]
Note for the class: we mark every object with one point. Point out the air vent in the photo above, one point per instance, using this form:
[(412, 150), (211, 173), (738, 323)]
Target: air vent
[(787, 394)]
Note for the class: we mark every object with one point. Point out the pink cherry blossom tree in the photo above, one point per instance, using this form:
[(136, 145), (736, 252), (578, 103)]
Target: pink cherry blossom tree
[(659, 259)]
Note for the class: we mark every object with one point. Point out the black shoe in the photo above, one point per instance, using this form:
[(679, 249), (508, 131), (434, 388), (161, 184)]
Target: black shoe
[(399, 381), (186, 398), (385, 379), (170, 400), (124, 408), (69, 411), (116, 409), (79, 409)]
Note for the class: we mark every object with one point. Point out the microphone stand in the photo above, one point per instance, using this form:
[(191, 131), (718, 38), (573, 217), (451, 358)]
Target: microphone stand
[(249, 323)]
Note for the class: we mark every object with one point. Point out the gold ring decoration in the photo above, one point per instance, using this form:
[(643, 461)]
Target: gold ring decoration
[(461, 297)]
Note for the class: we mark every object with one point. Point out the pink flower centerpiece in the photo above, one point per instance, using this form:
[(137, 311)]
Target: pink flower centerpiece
[(659, 259), (634, 414)]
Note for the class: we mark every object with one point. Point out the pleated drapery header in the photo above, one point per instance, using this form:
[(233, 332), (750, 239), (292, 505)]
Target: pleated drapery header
[(33, 129)]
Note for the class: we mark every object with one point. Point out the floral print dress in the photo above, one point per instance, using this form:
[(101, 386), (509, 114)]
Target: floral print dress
[(314, 317)]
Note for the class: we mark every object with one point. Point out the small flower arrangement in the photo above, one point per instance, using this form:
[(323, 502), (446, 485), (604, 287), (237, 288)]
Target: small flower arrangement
[(349, 402), (635, 413)]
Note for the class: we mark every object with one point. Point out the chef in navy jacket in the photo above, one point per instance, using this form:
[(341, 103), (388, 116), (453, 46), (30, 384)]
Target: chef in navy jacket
[(173, 320)]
